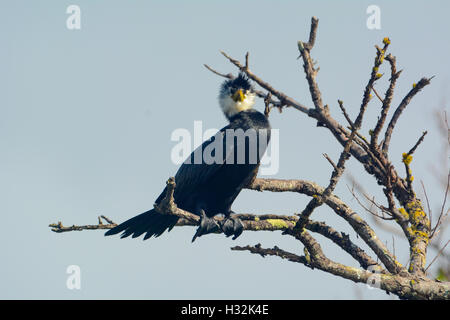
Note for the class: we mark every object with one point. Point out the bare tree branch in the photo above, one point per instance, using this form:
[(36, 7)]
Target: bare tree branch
[(361, 227), (387, 100), (416, 88), (59, 228), (405, 287), (281, 96), (411, 283)]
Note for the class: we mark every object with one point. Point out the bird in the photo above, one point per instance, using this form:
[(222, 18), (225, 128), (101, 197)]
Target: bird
[(208, 188)]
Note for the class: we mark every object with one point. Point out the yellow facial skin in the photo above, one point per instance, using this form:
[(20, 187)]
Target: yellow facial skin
[(240, 100), (238, 96)]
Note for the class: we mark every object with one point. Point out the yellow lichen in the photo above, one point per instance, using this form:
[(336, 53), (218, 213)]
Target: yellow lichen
[(378, 75), (406, 158), (414, 85), (278, 223), (416, 250), (403, 212), (386, 40), (307, 256), (409, 205), (421, 234), (418, 214)]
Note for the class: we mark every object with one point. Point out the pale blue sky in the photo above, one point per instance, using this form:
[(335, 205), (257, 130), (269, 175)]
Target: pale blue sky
[(86, 118)]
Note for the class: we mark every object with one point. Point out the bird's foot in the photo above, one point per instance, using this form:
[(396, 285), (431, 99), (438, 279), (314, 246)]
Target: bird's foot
[(232, 226), (207, 225)]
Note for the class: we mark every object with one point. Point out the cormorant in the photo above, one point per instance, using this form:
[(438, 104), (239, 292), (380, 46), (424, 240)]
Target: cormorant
[(208, 188)]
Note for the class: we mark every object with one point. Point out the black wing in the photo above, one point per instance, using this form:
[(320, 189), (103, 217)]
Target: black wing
[(195, 171)]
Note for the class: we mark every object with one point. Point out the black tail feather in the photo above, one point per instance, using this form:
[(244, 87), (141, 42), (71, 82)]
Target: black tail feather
[(150, 222)]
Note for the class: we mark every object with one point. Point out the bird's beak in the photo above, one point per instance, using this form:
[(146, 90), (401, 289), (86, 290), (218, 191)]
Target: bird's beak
[(238, 96)]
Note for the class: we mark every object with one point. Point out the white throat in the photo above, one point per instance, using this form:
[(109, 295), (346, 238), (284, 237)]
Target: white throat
[(231, 107)]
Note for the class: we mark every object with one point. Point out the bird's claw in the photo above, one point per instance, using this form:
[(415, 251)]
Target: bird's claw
[(207, 225), (232, 226)]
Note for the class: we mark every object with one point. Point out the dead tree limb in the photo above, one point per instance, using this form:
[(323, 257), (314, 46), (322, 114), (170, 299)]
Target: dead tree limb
[(403, 206)]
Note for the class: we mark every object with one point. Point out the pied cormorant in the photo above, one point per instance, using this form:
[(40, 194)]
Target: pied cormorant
[(208, 188)]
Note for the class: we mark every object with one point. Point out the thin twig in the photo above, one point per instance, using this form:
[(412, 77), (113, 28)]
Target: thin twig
[(330, 161), (410, 152), (365, 208), (442, 216), (386, 102), (439, 253), (59, 228), (344, 111), (281, 96), (430, 216), (378, 96), (416, 88), (228, 75)]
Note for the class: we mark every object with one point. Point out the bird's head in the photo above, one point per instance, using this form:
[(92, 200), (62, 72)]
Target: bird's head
[(236, 95)]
